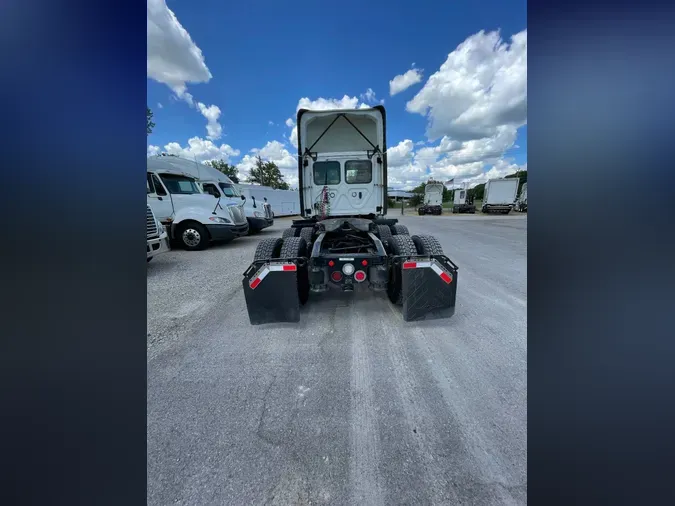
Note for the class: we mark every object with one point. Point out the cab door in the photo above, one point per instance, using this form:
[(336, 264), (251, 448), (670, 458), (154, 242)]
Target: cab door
[(158, 198)]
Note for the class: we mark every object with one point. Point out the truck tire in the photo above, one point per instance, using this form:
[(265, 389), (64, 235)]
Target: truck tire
[(400, 245), (289, 232), (293, 247), (427, 245), (307, 233), (193, 236), (385, 233), (399, 229), (268, 249)]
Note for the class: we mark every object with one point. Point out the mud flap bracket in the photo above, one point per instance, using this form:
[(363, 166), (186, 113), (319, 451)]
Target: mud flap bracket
[(429, 286)]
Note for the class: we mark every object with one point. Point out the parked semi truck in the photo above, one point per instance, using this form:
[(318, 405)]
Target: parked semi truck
[(433, 199), (500, 195), (343, 240), (193, 219), (157, 237), (463, 202), (258, 212)]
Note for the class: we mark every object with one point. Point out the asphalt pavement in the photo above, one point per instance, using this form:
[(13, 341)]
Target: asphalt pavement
[(352, 405)]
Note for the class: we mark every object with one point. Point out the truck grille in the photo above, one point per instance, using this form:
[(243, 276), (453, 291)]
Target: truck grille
[(150, 224), (268, 211), (238, 215)]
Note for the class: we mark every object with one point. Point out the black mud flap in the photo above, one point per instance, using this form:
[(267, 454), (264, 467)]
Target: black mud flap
[(271, 290), (429, 286)]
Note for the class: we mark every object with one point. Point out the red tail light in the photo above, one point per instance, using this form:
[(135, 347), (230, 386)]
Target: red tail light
[(364, 262), (359, 276), (331, 263), (336, 276)]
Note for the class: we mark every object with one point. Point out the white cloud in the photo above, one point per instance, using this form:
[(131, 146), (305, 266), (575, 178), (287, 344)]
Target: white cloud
[(369, 96), (273, 151), (404, 81), (481, 86), (400, 154), (160, 105), (197, 148), (270, 123), (290, 122), (498, 170), (211, 113), (173, 57)]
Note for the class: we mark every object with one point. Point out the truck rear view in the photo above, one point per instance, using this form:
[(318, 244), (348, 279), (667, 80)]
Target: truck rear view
[(500, 195), (433, 199), (344, 242)]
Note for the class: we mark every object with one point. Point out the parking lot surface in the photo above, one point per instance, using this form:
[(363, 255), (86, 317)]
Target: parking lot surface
[(352, 405)]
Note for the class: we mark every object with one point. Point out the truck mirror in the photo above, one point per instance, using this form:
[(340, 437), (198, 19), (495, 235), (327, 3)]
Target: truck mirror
[(265, 199), (243, 198)]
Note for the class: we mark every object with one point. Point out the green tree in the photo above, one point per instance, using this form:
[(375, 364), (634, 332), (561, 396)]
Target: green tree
[(227, 169), (151, 125), (267, 174)]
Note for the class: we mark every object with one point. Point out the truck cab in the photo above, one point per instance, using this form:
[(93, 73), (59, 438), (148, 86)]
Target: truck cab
[(463, 202), (193, 219), (343, 164), (258, 212), (344, 241), (433, 199)]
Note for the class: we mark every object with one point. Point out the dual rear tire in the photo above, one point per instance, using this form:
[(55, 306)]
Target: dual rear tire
[(406, 245)]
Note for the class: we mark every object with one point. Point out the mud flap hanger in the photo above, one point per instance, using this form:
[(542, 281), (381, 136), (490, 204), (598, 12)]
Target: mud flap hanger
[(429, 287), (271, 290), (370, 153)]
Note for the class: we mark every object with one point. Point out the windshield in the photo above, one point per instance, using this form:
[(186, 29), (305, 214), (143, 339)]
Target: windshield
[(229, 190), (179, 184)]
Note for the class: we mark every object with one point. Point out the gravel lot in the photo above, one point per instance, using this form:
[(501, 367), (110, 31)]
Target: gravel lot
[(352, 405)]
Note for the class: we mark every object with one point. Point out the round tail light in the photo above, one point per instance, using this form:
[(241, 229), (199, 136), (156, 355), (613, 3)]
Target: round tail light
[(348, 269), (336, 276), (360, 276)]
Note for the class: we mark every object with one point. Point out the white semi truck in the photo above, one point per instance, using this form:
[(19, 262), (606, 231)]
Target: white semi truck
[(462, 201), (433, 199), (193, 219), (500, 195), (157, 237), (343, 240)]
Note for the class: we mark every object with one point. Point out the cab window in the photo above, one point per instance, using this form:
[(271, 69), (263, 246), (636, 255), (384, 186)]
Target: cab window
[(159, 188), (358, 171), (461, 194), (229, 190), (211, 188), (326, 173), (179, 184)]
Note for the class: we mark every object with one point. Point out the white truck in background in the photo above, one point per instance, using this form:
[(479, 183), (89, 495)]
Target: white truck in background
[(283, 202), (521, 203), (193, 218), (157, 237), (500, 195), (433, 199), (463, 202)]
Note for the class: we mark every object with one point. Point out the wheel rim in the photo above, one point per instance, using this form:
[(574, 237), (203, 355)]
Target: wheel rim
[(191, 237)]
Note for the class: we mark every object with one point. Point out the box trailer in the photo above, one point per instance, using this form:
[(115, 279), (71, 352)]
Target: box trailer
[(282, 202), (500, 195)]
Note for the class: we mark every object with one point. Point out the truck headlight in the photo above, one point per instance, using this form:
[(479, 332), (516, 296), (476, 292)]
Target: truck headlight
[(218, 219), (257, 214)]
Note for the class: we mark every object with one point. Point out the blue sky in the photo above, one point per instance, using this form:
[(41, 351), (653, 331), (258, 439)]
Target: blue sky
[(229, 75)]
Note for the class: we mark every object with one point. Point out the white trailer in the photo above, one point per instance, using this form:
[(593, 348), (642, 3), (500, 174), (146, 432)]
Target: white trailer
[(521, 204), (283, 202), (500, 195)]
